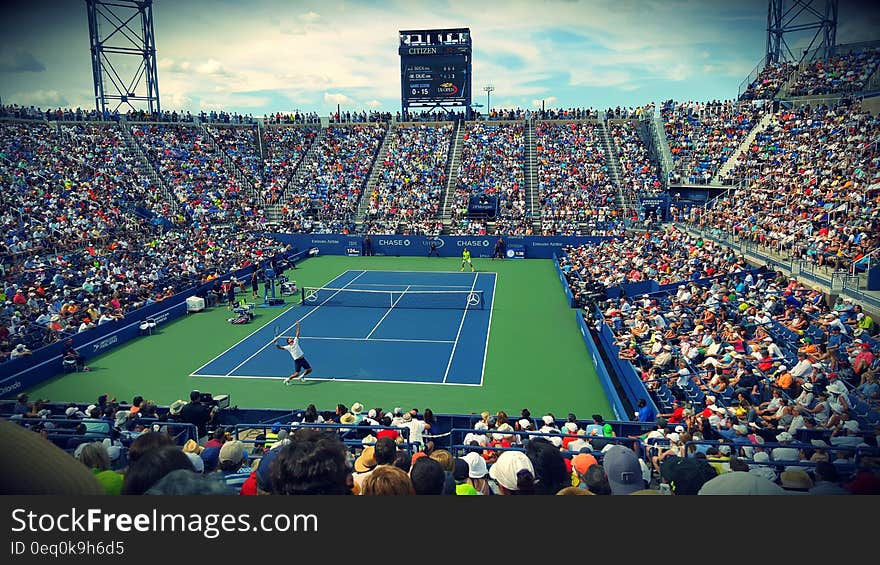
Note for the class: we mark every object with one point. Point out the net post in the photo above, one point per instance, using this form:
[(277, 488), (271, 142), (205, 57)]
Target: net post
[(302, 295)]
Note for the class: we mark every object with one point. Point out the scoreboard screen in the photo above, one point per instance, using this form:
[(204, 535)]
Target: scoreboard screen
[(435, 67), (431, 78)]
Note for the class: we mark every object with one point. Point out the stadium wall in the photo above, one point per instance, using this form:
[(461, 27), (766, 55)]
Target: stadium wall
[(617, 407), (535, 247)]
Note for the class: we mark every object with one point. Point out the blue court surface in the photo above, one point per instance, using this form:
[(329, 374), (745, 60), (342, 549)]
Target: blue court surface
[(376, 326)]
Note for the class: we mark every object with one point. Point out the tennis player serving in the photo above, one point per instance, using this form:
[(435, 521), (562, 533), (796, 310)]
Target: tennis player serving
[(299, 358)]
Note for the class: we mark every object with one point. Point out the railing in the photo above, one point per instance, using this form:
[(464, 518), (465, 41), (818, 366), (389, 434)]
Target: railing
[(744, 85), (343, 429)]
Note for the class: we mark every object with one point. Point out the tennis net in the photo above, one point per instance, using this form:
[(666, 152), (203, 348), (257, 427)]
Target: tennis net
[(446, 299)]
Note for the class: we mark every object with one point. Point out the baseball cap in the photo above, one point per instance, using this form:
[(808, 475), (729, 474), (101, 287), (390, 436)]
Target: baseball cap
[(623, 470), (232, 451), (583, 461), (264, 482), (686, 475)]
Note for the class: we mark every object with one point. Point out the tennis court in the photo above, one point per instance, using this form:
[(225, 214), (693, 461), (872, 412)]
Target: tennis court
[(403, 327)]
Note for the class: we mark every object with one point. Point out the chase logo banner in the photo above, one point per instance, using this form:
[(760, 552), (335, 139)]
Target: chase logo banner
[(533, 247)]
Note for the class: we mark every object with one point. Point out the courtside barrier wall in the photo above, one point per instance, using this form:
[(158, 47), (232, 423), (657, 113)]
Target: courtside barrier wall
[(627, 376), (564, 281), (21, 374), (617, 407), (535, 247)]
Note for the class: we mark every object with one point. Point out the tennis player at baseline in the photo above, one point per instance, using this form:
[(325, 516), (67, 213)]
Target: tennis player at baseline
[(299, 358)]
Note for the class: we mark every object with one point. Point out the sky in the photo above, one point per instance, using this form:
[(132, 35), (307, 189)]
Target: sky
[(262, 56)]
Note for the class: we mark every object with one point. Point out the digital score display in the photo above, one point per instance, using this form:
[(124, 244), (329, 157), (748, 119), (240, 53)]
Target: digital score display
[(435, 78), (435, 67)]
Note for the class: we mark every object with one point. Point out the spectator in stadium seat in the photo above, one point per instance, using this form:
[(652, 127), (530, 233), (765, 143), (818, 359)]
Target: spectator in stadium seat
[(96, 457), (314, 462), (387, 480), (513, 474), (478, 474), (234, 465), (551, 474), (152, 466), (428, 477), (624, 472)]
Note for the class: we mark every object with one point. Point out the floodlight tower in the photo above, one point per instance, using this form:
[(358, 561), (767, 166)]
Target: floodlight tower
[(788, 17), (123, 45)]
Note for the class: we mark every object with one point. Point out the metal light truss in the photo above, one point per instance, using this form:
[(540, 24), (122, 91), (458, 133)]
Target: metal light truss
[(790, 17), (119, 31)]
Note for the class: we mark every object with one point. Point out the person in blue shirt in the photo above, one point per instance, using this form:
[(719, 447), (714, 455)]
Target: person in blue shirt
[(645, 413)]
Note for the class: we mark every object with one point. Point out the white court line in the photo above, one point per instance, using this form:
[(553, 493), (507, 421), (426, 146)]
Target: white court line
[(458, 334), (334, 380), (413, 285), (431, 272), (312, 311), (393, 304), (489, 328), (378, 339), (234, 345)]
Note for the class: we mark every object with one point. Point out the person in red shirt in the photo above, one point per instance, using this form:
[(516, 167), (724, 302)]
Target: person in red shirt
[(19, 298), (677, 414)]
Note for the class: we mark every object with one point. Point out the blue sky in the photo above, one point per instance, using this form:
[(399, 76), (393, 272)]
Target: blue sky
[(267, 55)]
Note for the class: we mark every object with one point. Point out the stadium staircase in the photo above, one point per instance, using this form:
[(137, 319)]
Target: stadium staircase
[(533, 202), (734, 159), (456, 144), (661, 144), (230, 165), (613, 163), (375, 173), (273, 211), (146, 167)]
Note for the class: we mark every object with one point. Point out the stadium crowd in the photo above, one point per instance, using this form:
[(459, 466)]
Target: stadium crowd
[(703, 135), (195, 173), (286, 147), (574, 184), (639, 174), (413, 178), (768, 82), (849, 72), (492, 162), (810, 176), (137, 448), (331, 182)]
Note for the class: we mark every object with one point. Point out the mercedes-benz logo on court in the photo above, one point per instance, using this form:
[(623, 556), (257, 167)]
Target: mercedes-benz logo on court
[(473, 299), (311, 296)]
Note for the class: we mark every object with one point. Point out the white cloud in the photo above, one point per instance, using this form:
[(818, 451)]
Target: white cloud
[(40, 98), (211, 67), (372, 104), (337, 98), (176, 101), (309, 17)]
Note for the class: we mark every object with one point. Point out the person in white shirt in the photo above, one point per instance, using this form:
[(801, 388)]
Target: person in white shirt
[(416, 429), (299, 358), (774, 350), (803, 368)]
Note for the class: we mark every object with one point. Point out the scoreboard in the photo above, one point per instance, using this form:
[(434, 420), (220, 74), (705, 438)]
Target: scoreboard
[(435, 68), (428, 78)]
